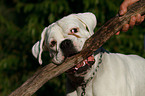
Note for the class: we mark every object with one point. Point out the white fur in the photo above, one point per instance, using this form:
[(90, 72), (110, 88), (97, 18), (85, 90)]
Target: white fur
[(118, 74)]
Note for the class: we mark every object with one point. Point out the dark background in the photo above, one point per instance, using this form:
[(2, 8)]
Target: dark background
[(21, 24)]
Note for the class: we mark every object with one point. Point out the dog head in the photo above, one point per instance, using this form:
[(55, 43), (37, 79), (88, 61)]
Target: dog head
[(65, 37)]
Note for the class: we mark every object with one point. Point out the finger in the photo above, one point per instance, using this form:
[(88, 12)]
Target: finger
[(142, 18), (132, 21), (138, 19), (125, 27), (123, 7), (117, 33)]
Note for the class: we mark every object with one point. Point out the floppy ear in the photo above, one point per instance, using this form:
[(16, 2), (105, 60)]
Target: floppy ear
[(89, 19), (37, 49)]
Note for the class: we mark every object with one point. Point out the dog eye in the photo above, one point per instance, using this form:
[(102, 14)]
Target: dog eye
[(74, 30), (53, 43)]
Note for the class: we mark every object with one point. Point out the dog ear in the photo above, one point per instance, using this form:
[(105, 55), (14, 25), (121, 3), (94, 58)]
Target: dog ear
[(37, 49), (89, 19)]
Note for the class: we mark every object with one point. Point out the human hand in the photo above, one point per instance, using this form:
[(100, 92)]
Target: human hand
[(134, 19)]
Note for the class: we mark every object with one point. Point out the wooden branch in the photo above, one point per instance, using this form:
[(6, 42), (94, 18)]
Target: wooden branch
[(93, 43)]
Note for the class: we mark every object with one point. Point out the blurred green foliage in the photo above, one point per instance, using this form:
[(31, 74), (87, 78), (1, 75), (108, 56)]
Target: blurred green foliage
[(21, 23)]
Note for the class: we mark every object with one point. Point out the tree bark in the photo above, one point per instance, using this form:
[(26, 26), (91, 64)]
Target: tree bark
[(93, 43)]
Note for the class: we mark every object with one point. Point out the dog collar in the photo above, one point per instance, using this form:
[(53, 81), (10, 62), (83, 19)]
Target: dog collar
[(84, 83)]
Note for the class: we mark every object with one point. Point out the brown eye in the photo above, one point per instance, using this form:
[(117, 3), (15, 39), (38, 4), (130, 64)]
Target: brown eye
[(53, 43), (74, 30)]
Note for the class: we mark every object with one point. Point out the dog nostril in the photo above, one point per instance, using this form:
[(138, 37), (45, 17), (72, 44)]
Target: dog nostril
[(66, 44), (67, 48)]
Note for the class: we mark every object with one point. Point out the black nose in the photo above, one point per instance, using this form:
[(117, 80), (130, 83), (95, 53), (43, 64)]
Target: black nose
[(68, 48)]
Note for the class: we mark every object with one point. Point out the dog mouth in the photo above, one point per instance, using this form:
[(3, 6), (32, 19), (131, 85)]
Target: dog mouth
[(68, 49), (83, 66), (72, 54)]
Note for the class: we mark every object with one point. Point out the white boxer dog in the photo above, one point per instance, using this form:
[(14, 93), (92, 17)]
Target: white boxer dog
[(103, 73)]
